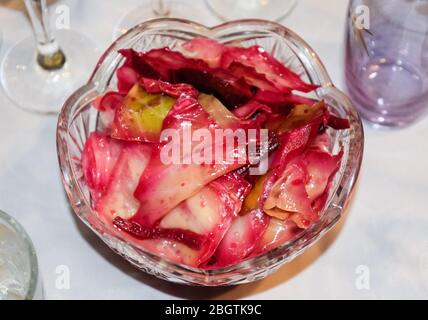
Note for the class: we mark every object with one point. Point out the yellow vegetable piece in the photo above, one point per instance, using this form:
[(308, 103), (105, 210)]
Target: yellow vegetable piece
[(251, 201), (299, 115), (147, 110)]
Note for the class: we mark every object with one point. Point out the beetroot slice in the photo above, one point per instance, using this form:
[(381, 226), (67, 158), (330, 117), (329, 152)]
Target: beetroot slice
[(188, 238), (231, 91), (165, 60), (173, 90), (132, 69), (281, 103), (135, 61), (338, 123)]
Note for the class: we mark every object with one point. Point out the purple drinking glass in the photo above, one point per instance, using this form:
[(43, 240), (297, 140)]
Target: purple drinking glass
[(387, 60)]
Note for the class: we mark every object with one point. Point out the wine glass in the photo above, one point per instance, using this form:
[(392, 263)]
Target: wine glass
[(152, 9), (243, 9), (41, 71)]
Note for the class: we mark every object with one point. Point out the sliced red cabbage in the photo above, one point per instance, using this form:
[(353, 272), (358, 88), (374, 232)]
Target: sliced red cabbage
[(262, 62), (155, 191), (197, 225), (241, 239), (99, 158)]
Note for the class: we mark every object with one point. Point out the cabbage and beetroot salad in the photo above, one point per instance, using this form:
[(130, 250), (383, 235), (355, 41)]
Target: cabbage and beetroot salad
[(209, 214)]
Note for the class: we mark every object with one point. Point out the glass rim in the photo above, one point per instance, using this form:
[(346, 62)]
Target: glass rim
[(18, 229)]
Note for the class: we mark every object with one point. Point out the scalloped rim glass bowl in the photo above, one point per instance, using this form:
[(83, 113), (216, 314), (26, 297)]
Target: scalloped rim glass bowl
[(78, 119)]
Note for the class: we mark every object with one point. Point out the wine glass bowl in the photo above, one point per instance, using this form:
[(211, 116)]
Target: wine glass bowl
[(152, 9), (78, 119), (274, 10)]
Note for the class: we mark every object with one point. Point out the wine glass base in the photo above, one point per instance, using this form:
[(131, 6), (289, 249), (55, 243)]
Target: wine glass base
[(37, 90), (273, 10), (143, 13)]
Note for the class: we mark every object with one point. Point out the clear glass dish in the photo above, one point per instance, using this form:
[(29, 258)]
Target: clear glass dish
[(78, 119)]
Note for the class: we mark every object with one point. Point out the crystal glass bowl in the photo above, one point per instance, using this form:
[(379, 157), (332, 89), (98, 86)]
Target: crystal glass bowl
[(78, 119)]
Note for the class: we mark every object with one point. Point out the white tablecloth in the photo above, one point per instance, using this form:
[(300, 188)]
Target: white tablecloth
[(385, 232)]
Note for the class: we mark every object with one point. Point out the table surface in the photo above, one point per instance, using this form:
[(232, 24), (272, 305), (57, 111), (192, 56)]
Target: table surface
[(382, 242)]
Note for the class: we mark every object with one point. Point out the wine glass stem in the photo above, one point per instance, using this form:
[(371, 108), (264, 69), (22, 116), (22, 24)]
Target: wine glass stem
[(49, 54), (161, 8)]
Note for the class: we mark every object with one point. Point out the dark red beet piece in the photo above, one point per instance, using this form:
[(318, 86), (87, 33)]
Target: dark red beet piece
[(338, 123), (230, 90), (136, 61), (173, 90), (281, 103), (186, 237), (132, 69), (165, 60)]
